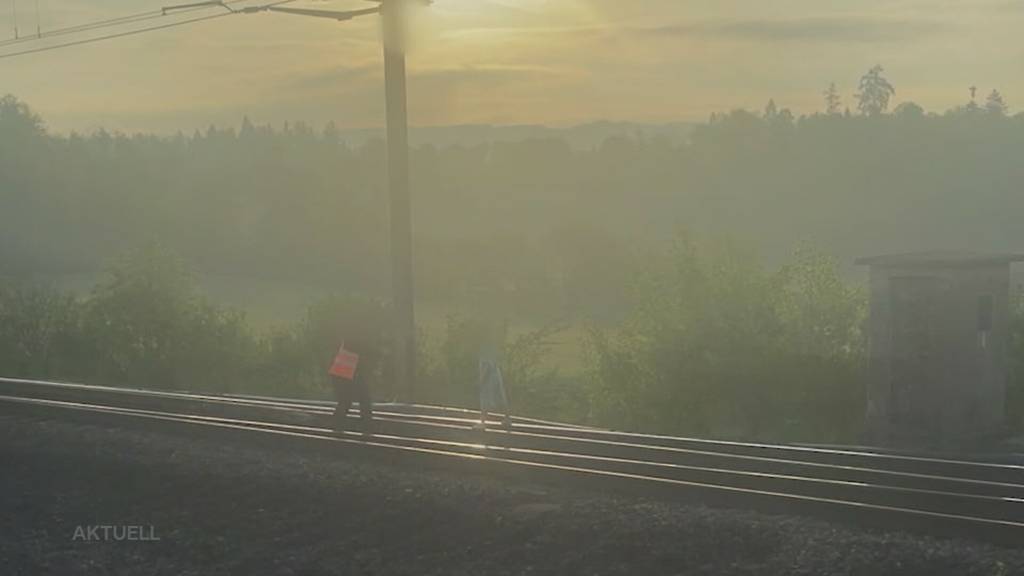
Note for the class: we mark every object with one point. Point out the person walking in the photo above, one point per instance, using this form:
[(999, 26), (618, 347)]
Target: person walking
[(493, 396), (350, 374)]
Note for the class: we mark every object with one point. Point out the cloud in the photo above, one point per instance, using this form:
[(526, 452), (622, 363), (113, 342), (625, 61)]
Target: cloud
[(489, 73), (805, 29), (504, 34)]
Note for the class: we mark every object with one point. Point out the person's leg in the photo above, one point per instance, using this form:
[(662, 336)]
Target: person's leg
[(506, 407), (343, 395), (365, 405), (487, 402)]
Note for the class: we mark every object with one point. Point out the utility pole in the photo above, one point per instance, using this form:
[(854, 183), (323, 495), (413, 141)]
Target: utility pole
[(393, 14)]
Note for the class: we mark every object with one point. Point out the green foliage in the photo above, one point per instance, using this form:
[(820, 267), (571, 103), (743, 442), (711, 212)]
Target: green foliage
[(535, 228), (537, 388), (146, 325), (1015, 388), (449, 371), (149, 327), (704, 341), (362, 323), (717, 346), (833, 101), (875, 92), (41, 335), (18, 122), (995, 104)]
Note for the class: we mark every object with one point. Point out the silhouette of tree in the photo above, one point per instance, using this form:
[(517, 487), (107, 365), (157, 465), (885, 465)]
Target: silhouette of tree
[(995, 104), (247, 129), (972, 106), (833, 102), (257, 203), (875, 92), (909, 110), (17, 120)]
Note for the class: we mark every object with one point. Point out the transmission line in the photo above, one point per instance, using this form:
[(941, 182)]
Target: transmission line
[(131, 19), (108, 22), (113, 36)]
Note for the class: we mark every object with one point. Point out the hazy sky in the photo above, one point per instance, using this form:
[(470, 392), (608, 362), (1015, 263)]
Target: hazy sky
[(517, 61)]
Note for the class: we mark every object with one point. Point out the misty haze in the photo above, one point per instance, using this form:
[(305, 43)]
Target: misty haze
[(511, 286)]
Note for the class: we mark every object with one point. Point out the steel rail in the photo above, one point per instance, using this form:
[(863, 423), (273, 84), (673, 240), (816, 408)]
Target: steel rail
[(847, 461), (968, 513)]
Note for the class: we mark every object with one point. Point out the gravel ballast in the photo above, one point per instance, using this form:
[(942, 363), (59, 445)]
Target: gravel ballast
[(199, 506)]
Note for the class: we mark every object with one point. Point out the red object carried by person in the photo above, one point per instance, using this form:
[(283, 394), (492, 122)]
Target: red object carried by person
[(345, 364)]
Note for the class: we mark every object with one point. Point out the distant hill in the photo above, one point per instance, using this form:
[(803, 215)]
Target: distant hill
[(582, 136)]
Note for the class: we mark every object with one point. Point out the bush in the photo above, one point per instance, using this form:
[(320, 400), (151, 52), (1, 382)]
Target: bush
[(717, 346), (449, 369), (302, 356), (714, 346), (149, 327), (538, 389), (40, 334), (1015, 388), (146, 325)]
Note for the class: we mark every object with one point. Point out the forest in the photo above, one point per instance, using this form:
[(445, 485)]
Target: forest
[(701, 286)]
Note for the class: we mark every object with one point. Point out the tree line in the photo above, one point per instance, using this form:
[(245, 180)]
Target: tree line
[(537, 225), (675, 261)]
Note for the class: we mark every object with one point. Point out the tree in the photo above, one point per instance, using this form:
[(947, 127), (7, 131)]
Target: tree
[(995, 104), (875, 92), (137, 317), (776, 116), (247, 130), (909, 110), (21, 134), (717, 345), (17, 119), (833, 102), (40, 333), (972, 106)]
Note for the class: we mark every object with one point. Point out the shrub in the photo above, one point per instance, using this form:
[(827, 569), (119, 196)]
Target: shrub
[(299, 358), (1015, 388), (41, 335), (149, 327), (717, 346)]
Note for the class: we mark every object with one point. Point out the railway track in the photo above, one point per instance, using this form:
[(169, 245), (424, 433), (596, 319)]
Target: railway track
[(977, 499)]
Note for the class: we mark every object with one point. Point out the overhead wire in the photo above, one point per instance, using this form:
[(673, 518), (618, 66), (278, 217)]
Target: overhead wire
[(129, 19), (85, 27), (119, 20), (113, 36)]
